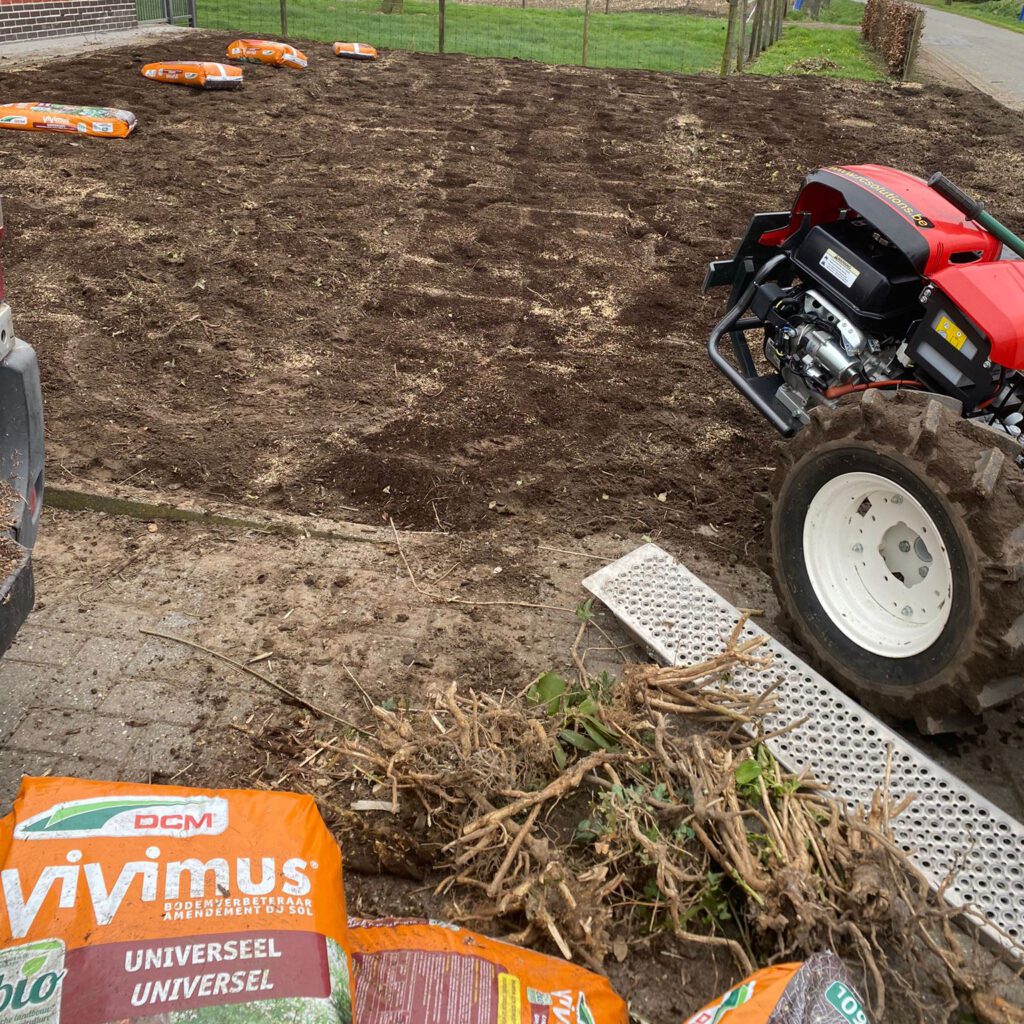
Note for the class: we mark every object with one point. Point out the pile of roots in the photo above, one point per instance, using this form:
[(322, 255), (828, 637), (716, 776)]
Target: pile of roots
[(594, 813)]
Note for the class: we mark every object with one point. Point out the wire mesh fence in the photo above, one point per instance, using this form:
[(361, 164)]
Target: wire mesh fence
[(174, 12), (754, 26), (657, 35)]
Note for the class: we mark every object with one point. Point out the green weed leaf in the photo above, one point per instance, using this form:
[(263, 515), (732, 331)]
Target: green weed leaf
[(578, 741), (548, 690)]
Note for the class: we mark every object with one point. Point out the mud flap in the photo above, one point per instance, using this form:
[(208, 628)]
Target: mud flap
[(17, 596), (21, 438), (21, 474)]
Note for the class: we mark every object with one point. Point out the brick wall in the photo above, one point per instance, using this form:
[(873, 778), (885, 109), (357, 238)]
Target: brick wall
[(27, 19)]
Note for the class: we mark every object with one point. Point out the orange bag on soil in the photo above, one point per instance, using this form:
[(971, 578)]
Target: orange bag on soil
[(815, 991), (124, 902), (263, 51), (103, 122), (198, 74), (421, 972), (355, 51)]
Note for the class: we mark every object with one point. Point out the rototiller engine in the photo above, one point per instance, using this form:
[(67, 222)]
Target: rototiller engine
[(891, 320)]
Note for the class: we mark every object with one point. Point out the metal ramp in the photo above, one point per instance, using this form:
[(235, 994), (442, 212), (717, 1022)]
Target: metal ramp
[(682, 621)]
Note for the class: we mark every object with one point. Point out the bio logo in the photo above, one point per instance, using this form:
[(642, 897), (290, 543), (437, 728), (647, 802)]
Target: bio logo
[(127, 816), (31, 977), (847, 1003)]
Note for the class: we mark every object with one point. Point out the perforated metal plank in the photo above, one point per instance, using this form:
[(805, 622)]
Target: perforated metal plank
[(682, 621)]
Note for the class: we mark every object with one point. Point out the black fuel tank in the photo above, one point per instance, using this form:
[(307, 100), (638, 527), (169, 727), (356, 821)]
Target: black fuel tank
[(873, 280)]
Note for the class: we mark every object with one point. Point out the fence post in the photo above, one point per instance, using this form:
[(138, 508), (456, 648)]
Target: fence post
[(586, 32), (915, 38), (741, 39), (284, 17), (440, 25), (730, 35)]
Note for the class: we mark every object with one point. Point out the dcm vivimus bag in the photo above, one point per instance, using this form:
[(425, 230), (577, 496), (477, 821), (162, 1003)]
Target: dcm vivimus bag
[(123, 902)]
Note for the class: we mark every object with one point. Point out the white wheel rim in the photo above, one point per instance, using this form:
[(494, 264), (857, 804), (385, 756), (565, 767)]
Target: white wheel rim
[(878, 564)]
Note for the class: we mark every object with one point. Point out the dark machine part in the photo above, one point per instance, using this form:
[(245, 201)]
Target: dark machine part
[(843, 308)]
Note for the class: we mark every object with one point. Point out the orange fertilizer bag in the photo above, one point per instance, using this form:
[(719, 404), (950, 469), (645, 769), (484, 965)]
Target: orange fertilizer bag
[(426, 972), (123, 902), (194, 73), (264, 51), (355, 51), (815, 991), (104, 122)]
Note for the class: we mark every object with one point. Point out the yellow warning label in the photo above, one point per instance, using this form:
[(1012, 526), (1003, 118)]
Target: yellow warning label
[(949, 330), (509, 999)]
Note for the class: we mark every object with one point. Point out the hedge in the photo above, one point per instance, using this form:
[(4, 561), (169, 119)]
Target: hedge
[(888, 26)]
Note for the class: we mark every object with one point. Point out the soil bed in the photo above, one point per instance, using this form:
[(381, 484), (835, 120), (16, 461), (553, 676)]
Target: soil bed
[(442, 289)]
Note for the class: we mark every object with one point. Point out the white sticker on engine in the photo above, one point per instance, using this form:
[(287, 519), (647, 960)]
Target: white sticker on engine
[(839, 268)]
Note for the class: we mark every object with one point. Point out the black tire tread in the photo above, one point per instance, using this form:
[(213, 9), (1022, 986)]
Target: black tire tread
[(973, 470)]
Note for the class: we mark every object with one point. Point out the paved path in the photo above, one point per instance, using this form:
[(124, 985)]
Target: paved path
[(84, 692), (989, 57), (29, 51)]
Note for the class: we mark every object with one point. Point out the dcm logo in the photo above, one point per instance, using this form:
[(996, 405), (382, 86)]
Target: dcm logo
[(127, 816)]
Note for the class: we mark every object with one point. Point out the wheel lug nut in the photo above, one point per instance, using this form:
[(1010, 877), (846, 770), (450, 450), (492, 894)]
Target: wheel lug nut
[(904, 546), (907, 611), (897, 499), (858, 548), (923, 571)]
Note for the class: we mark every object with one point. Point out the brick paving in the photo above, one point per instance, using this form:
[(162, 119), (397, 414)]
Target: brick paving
[(84, 692)]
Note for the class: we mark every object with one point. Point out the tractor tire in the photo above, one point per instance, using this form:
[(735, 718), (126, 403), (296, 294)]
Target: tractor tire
[(896, 549)]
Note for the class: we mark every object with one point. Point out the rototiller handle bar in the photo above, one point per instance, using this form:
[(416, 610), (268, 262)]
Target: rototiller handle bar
[(975, 210)]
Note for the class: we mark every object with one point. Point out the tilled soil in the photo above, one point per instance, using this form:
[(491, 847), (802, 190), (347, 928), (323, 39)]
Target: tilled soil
[(444, 289)]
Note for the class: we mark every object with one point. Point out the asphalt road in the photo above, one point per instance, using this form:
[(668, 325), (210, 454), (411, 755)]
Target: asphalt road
[(989, 57)]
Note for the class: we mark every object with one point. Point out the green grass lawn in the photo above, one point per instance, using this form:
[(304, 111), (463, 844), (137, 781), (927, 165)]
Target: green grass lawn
[(838, 12), (853, 59), (995, 12), (658, 42)]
